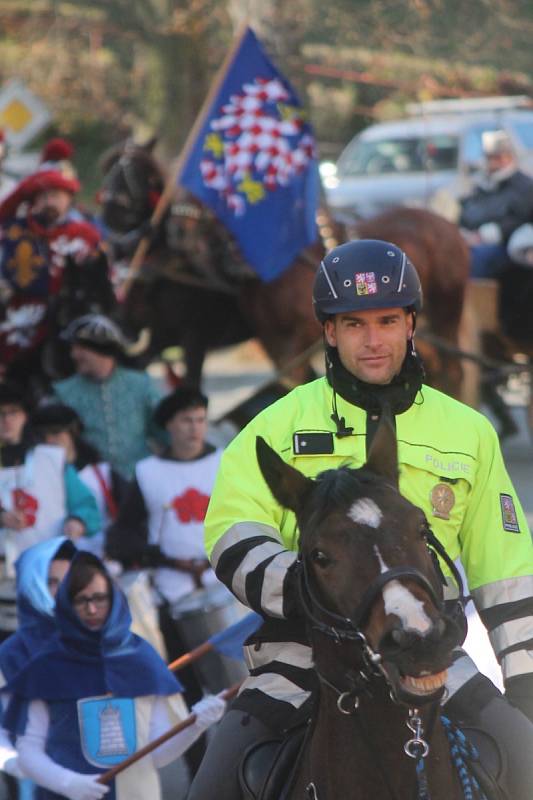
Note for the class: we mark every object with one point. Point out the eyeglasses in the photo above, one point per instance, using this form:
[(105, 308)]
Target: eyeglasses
[(98, 600), (10, 412)]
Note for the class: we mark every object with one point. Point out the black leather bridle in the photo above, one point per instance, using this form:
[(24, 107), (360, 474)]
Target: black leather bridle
[(349, 629), (341, 628), (135, 200)]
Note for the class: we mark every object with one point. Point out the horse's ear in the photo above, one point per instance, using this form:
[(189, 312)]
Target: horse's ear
[(150, 144), (383, 455), (288, 485)]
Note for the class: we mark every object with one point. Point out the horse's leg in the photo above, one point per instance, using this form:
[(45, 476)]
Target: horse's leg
[(498, 348), (194, 352), (28, 372)]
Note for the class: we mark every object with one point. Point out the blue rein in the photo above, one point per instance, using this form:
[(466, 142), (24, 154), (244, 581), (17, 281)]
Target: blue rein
[(463, 751)]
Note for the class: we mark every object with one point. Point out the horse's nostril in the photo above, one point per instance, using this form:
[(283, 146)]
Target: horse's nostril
[(400, 637), (438, 630)]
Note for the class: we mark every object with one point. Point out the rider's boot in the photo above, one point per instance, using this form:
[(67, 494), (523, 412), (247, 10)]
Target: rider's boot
[(218, 775)]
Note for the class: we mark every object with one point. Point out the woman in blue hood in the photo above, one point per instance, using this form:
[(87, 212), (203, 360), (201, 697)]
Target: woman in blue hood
[(39, 570), (96, 694)]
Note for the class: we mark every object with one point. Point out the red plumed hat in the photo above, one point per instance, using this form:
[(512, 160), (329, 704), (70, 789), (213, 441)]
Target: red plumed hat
[(52, 179), (57, 150)]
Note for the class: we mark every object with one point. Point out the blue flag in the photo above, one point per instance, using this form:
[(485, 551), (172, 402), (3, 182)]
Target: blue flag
[(229, 642), (254, 162)]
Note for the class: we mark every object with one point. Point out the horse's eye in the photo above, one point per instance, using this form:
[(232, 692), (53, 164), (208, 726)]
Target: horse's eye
[(320, 558)]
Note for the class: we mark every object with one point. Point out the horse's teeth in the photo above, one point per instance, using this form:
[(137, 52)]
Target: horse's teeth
[(425, 684)]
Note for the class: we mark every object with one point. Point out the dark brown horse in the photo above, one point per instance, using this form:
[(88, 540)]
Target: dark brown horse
[(381, 639), (184, 299), (185, 296)]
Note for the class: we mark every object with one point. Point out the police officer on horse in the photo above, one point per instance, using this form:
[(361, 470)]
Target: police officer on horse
[(367, 296)]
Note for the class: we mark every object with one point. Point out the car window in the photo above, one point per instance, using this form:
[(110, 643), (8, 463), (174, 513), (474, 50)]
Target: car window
[(441, 152), (524, 132), (386, 156)]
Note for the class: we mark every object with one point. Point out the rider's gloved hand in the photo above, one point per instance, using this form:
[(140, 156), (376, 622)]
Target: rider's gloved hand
[(12, 767), (82, 787), (208, 711)]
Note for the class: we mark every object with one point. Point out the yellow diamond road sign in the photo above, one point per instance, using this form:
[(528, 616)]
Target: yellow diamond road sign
[(22, 114), (16, 116)]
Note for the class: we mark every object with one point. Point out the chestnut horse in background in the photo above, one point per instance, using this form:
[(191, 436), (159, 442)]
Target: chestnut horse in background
[(184, 299)]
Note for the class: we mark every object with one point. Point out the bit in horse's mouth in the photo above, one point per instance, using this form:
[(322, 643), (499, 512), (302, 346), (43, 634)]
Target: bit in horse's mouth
[(423, 684)]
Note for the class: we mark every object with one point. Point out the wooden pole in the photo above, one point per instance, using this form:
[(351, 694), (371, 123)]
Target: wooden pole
[(177, 168), (108, 776), (192, 655)]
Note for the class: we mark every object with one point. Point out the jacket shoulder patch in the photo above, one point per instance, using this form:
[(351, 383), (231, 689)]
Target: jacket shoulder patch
[(509, 518)]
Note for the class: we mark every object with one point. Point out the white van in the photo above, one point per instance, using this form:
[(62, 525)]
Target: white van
[(409, 161)]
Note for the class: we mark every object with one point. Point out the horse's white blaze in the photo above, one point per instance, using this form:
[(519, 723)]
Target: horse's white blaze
[(366, 512), (401, 602)]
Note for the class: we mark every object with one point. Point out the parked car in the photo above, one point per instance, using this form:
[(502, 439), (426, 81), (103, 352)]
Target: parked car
[(411, 161)]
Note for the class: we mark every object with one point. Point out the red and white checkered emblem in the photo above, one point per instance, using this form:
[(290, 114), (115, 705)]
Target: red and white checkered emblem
[(365, 283), (256, 145)]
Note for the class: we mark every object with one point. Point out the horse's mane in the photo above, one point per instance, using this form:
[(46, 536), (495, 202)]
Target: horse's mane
[(142, 154), (110, 157), (335, 489)]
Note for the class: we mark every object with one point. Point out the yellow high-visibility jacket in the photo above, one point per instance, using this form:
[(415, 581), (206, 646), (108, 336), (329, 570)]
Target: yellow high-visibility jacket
[(450, 466)]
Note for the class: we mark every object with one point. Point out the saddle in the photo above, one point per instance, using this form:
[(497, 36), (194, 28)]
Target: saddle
[(488, 768), (267, 767), (204, 250)]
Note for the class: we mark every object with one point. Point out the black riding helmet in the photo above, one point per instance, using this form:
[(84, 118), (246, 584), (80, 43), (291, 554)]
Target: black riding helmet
[(365, 274)]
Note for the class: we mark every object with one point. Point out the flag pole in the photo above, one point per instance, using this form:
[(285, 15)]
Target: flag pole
[(168, 192), (192, 655), (108, 776)]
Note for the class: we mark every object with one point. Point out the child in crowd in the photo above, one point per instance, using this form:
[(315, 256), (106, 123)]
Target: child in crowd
[(40, 495), (58, 424)]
